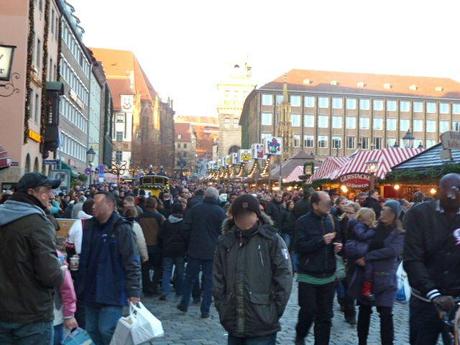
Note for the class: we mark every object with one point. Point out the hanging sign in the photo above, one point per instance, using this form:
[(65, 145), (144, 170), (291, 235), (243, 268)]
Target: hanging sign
[(273, 146), (258, 151), (357, 181), (244, 156)]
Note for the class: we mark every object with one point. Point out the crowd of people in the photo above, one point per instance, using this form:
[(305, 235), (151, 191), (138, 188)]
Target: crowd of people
[(232, 244)]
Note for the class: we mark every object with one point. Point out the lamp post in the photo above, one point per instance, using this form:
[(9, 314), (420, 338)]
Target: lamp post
[(372, 167), (118, 168), (90, 155), (408, 139), (6, 64)]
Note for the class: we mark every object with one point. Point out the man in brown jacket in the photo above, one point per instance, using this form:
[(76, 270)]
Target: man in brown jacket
[(151, 221)]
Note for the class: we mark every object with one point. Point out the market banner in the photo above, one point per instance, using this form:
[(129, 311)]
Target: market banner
[(234, 158), (273, 146), (258, 151), (244, 156), (358, 181)]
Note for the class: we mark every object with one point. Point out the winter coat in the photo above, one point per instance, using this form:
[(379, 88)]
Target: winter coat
[(357, 246), (173, 237), (288, 223), (432, 251), (252, 280), (65, 304), (203, 225), (385, 262), (150, 222), (29, 267), (140, 241), (316, 258), (109, 271), (276, 211), (301, 208)]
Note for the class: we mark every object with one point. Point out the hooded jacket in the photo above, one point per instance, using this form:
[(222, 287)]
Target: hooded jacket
[(173, 237), (29, 268), (252, 279)]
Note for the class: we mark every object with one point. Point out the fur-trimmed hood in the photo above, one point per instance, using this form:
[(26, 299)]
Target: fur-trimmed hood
[(229, 223)]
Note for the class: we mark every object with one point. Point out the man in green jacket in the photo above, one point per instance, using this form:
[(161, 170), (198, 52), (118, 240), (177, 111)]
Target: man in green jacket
[(29, 267), (252, 275)]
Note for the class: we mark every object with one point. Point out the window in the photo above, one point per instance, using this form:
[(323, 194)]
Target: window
[(337, 122), (456, 126), (323, 102), (351, 103), (322, 141), (118, 156), (37, 108), (350, 142), (418, 126), (295, 101), (404, 125), (418, 142), (185, 145), (39, 54), (391, 106), (337, 103), (267, 119), (404, 106), (456, 108), (308, 141), (295, 120), (391, 142), (309, 121), (185, 154), (267, 99), (336, 142), (444, 108), (296, 138), (119, 136), (351, 123), (391, 124), (378, 104), (279, 99), (323, 122), (364, 123), (418, 107), (431, 107), (444, 126), (431, 126), (120, 118), (309, 101), (52, 21), (377, 143), (377, 124), (364, 104), (430, 143), (364, 143)]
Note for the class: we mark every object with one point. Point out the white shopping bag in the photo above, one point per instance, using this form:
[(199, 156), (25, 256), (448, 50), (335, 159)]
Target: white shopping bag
[(145, 325), (122, 335), (404, 290)]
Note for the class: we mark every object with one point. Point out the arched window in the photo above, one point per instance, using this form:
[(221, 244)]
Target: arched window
[(233, 149), (27, 166), (36, 165)]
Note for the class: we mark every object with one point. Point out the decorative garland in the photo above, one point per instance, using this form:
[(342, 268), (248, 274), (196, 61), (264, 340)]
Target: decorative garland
[(425, 176), (44, 104), (28, 71)]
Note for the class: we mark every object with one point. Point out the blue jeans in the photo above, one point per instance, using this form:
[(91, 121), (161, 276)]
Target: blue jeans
[(191, 276), (179, 264), (266, 340), (38, 333), (101, 322), (58, 334)]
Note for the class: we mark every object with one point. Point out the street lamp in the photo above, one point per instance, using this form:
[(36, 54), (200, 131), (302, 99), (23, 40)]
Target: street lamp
[(90, 154), (372, 167), (6, 64), (408, 139)]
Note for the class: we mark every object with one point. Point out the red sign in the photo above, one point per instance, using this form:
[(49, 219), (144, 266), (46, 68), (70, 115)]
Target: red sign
[(356, 180)]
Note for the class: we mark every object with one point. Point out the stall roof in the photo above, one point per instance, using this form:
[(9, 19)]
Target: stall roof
[(429, 158), (329, 168)]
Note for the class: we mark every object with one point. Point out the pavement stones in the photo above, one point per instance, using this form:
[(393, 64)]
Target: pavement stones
[(190, 329)]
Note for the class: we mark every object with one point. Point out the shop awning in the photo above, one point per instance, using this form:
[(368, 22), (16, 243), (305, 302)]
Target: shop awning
[(65, 166), (430, 158), (5, 162), (294, 175), (330, 168)]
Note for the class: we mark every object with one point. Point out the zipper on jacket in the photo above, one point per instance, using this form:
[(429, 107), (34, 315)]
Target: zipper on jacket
[(260, 255)]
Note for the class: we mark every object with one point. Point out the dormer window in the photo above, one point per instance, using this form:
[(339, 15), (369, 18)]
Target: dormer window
[(334, 82), (413, 87), (387, 86), (361, 84)]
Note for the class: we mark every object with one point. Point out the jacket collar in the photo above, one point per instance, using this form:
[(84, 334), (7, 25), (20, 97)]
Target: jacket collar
[(211, 201)]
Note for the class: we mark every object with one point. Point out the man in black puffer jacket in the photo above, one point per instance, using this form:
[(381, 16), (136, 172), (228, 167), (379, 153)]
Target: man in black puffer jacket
[(316, 244), (252, 275)]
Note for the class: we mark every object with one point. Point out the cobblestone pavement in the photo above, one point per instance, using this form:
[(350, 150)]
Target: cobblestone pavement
[(189, 329)]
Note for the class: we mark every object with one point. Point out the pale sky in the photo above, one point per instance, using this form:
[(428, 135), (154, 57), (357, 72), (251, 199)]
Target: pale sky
[(186, 46)]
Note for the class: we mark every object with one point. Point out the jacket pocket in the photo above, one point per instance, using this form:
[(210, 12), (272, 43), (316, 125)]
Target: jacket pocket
[(264, 309), (383, 281)]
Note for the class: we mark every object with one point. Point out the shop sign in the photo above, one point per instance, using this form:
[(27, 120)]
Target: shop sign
[(274, 146), (35, 136), (258, 151), (450, 140), (245, 155), (356, 180)]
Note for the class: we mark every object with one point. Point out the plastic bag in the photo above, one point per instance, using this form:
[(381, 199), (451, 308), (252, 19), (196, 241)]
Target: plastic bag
[(340, 272), (137, 328), (404, 290), (78, 337)]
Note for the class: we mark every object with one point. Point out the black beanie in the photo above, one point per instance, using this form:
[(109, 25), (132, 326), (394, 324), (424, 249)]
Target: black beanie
[(245, 203)]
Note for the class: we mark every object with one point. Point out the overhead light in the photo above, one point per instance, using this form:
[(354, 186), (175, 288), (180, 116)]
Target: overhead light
[(344, 188), (397, 187), (433, 191)]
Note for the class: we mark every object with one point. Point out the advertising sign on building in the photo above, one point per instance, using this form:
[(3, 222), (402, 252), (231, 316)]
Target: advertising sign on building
[(63, 175), (357, 181), (258, 151), (273, 146), (244, 156)]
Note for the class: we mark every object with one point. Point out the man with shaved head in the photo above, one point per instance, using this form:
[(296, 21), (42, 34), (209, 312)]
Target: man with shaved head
[(316, 244), (432, 260)]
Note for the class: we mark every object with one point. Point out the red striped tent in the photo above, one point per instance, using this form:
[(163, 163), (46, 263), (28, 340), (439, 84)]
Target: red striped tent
[(294, 175), (334, 167)]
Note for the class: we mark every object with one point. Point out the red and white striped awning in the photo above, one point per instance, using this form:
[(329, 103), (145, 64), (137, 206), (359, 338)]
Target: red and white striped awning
[(294, 175), (386, 159), (330, 168)]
